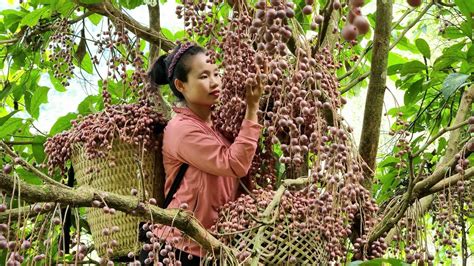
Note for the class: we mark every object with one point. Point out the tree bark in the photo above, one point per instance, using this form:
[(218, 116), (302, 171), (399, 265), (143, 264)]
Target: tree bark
[(84, 195), (154, 15), (374, 102), (106, 8)]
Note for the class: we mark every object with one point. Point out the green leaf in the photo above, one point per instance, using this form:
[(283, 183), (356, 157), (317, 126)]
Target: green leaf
[(65, 8), (28, 177), (390, 160), (179, 35), (5, 118), (6, 91), (412, 67), (423, 47), (12, 17), (87, 105), (38, 148), (452, 83), (95, 18), (131, 4), (10, 126), (466, 7), (32, 18), (40, 96), (453, 33), (86, 64), (470, 54), (411, 94), (379, 262), (90, 1), (63, 123), (56, 83), (168, 34)]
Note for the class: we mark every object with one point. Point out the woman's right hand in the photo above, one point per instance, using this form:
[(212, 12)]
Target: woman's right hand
[(253, 95)]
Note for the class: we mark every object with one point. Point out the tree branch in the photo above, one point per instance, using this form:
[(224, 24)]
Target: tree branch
[(440, 133), (84, 195), (15, 213), (452, 180), (30, 167), (106, 8)]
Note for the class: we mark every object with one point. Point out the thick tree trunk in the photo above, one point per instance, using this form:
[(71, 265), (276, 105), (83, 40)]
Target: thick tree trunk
[(374, 102), (154, 15)]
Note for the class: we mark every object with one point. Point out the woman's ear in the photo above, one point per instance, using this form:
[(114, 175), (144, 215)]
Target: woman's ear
[(179, 85)]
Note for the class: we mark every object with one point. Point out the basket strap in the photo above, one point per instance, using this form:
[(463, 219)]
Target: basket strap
[(175, 185)]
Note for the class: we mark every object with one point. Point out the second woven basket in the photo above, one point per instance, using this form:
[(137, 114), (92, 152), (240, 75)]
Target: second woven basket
[(118, 177)]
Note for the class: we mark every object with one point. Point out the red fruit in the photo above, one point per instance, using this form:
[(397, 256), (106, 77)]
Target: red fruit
[(7, 169), (471, 120), (362, 24), (414, 3), (318, 19), (336, 5), (307, 10), (353, 13), (349, 32)]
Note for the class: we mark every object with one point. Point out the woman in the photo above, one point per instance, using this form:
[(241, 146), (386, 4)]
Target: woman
[(215, 164)]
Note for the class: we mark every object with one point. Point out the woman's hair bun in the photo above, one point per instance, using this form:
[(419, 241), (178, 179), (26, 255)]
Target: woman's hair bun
[(159, 71)]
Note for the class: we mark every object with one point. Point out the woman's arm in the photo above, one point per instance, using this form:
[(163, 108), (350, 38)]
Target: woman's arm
[(203, 151)]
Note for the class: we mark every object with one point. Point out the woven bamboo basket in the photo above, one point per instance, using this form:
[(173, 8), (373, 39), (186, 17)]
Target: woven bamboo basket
[(307, 247), (120, 179), (285, 242)]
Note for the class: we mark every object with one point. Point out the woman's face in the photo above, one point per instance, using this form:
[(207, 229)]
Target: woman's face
[(204, 82)]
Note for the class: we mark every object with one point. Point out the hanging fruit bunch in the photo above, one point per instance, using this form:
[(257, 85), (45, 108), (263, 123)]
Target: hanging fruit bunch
[(133, 123), (300, 112)]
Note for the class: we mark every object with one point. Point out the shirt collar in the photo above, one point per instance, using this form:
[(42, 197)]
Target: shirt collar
[(188, 112)]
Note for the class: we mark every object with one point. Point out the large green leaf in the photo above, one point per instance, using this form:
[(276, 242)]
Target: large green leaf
[(423, 47), (40, 96), (168, 34), (10, 126), (85, 64), (28, 177), (95, 18), (6, 91), (5, 118), (63, 123), (87, 105), (452, 83), (38, 148), (12, 18), (470, 54), (379, 262), (411, 94), (412, 67), (32, 18), (466, 7), (56, 83), (131, 4)]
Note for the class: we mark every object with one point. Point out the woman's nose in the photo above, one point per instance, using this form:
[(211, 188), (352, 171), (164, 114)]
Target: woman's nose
[(215, 81)]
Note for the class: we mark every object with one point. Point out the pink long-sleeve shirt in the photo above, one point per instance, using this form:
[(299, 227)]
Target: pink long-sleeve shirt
[(215, 166)]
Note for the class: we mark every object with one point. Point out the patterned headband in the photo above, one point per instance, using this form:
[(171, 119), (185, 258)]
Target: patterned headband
[(182, 49)]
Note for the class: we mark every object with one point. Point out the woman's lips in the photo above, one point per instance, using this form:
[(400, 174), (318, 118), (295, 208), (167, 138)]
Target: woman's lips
[(215, 93)]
